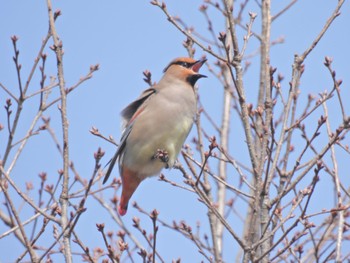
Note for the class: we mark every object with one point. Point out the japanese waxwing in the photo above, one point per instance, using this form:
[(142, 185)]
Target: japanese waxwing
[(155, 126)]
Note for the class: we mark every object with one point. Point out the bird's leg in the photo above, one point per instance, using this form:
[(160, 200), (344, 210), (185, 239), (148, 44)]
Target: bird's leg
[(163, 156)]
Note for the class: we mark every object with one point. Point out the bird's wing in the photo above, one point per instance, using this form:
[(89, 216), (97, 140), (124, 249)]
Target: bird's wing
[(129, 114), (121, 147), (133, 109)]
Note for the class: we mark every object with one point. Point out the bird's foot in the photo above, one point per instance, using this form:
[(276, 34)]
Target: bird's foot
[(163, 156)]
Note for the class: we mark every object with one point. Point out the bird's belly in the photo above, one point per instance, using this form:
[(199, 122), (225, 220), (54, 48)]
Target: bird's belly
[(140, 155)]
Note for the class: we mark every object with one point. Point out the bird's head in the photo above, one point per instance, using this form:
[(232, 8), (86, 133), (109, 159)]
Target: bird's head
[(185, 69)]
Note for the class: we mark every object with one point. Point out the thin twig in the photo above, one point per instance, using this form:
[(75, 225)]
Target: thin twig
[(4, 188), (334, 15), (27, 199), (286, 8), (153, 216), (23, 224), (186, 33), (335, 173), (9, 92)]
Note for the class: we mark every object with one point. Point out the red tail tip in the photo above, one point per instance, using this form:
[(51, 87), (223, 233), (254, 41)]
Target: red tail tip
[(121, 211)]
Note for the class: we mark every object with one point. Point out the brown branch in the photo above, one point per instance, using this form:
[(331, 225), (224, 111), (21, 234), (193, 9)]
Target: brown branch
[(336, 85), (137, 226), (207, 202), (83, 247), (97, 155), (162, 6), (323, 97), (211, 216), (72, 88), (4, 188), (95, 131), (228, 186), (57, 47), (334, 15), (27, 199), (115, 216), (285, 9), (9, 92), (14, 228), (164, 179), (100, 228), (153, 216), (335, 173)]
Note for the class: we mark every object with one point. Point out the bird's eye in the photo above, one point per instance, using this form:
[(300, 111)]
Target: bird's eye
[(180, 63), (184, 64)]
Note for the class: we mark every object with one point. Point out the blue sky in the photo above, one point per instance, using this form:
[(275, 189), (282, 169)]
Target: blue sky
[(126, 38)]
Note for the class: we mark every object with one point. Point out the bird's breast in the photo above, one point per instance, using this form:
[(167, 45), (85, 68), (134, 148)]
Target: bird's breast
[(163, 125)]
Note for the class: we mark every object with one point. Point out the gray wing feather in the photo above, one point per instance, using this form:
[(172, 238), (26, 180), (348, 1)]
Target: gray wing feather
[(118, 153), (130, 110), (127, 115)]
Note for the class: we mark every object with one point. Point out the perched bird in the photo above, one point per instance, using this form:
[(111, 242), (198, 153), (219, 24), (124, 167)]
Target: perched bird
[(156, 126)]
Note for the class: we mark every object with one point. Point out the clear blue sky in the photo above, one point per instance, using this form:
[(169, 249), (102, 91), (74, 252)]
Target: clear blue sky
[(125, 38)]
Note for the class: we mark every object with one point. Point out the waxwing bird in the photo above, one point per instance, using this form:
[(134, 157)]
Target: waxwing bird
[(155, 126)]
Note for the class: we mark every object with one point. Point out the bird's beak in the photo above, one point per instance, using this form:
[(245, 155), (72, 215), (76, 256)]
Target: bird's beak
[(197, 65)]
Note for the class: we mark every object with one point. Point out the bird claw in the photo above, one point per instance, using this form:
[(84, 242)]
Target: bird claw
[(163, 156)]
